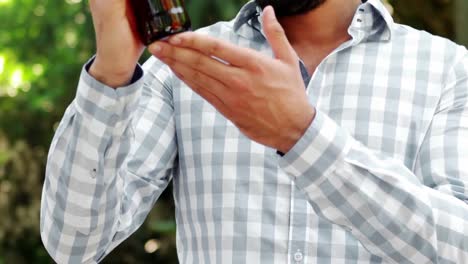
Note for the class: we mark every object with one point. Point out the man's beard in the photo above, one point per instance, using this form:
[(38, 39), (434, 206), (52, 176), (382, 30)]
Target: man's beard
[(290, 7)]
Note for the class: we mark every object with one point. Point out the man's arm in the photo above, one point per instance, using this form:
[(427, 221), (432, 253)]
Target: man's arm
[(110, 159), (382, 203), (113, 152)]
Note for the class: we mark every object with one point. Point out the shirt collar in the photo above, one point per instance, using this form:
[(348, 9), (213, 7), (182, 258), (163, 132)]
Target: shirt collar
[(377, 22), (372, 21), (248, 12)]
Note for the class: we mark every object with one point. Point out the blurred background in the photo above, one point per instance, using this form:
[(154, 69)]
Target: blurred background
[(43, 45)]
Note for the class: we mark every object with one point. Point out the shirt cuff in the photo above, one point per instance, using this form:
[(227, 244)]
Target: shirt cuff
[(318, 152), (106, 104)]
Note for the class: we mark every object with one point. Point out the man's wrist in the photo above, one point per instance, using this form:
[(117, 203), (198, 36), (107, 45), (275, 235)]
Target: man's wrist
[(291, 138), (111, 78)]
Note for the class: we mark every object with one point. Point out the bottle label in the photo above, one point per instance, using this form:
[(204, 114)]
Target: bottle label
[(157, 19)]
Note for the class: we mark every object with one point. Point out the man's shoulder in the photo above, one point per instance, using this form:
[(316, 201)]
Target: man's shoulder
[(417, 36), (427, 42)]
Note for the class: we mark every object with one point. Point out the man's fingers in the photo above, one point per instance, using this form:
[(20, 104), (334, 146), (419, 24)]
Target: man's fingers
[(211, 89), (227, 52), (277, 37), (194, 59)]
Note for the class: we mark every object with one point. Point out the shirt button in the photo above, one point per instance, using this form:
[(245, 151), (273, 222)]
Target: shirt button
[(298, 257), (93, 173)]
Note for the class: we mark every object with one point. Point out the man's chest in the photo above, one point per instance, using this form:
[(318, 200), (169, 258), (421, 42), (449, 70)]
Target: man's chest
[(384, 97)]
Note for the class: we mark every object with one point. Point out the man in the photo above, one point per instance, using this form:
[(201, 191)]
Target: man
[(340, 139)]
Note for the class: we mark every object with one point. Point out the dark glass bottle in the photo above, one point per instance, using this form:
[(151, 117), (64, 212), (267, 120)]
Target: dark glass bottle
[(157, 19)]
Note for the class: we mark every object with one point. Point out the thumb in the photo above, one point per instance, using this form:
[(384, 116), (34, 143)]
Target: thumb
[(277, 37)]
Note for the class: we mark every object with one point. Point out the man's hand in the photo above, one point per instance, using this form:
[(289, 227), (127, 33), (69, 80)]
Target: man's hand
[(264, 97), (117, 42)]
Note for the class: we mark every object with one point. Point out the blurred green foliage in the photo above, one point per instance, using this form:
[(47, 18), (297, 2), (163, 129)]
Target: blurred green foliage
[(43, 45)]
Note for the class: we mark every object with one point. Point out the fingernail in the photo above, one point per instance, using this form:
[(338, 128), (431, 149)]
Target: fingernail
[(273, 13), (175, 40), (155, 48)]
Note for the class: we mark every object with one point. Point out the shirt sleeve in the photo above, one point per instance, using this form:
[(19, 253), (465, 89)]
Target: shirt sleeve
[(110, 159), (417, 215)]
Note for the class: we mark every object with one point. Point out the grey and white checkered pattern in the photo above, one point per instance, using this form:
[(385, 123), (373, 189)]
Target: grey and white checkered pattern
[(379, 177)]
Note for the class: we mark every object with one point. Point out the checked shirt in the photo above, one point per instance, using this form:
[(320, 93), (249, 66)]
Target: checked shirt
[(380, 176)]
